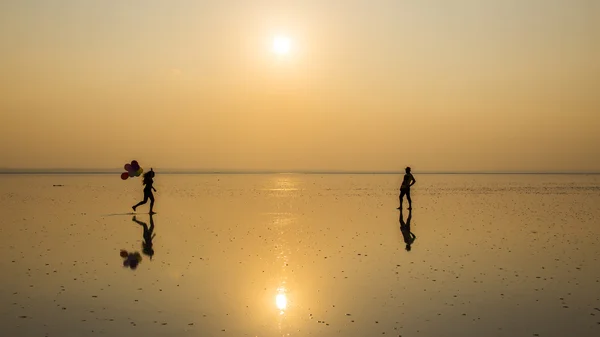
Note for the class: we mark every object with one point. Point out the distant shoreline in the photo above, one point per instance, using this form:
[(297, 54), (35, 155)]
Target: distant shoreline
[(225, 172)]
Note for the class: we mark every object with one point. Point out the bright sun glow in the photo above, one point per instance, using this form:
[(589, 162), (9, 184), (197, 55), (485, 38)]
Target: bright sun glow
[(282, 45), (281, 301)]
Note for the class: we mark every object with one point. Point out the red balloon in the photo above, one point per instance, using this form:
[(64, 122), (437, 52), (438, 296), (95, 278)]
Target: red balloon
[(124, 175)]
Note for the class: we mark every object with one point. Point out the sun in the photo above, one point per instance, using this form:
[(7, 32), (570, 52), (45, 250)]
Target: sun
[(282, 45)]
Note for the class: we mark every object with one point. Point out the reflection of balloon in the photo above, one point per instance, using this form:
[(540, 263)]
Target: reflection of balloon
[(130, 259), (133, 264), (124, 175), (135, 165), (128, 167)]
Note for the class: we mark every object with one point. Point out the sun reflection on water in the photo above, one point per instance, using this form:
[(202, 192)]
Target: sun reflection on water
[(283, 226), (284, 184), (281, 300)]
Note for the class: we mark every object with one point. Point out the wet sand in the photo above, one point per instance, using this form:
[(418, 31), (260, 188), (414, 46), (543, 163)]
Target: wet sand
[(301, 255)]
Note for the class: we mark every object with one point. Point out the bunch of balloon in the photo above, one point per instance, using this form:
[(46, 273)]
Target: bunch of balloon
[(133, 170), (130, 259)]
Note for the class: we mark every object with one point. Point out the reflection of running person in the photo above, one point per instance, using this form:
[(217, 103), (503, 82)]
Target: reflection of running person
[(147, 191), (408, 181), (148, 236), (409, 237)]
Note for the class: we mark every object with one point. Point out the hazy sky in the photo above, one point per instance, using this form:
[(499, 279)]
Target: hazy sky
[(368, 85)]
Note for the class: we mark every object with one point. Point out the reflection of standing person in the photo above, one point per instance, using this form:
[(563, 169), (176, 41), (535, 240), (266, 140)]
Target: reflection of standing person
[(148, 236), (147, 190), (409, 237), (407, 182)]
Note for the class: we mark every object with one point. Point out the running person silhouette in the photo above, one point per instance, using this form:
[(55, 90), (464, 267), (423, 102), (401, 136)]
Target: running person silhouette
[(407, 182), (147, 191)]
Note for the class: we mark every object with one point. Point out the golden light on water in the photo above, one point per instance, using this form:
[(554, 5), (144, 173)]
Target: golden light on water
[(281, 301), (284, 184)]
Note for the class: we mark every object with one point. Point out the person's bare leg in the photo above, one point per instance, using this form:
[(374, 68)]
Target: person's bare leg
[(151, 204), (401, 197), (140, 203)]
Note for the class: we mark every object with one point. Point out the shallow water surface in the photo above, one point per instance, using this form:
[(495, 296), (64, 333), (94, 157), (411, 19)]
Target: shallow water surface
[(301, 255)]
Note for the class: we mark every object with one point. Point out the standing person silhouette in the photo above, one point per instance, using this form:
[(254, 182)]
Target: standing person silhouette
[(147, 190), (407, 182), (409, 237)]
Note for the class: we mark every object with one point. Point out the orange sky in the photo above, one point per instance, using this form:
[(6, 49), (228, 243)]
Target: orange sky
[(368, 85)]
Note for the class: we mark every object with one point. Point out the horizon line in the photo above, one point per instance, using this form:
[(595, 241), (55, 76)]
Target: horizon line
[(225, 171)]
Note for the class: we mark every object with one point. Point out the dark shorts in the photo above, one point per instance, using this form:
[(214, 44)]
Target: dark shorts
[(404, 190)]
